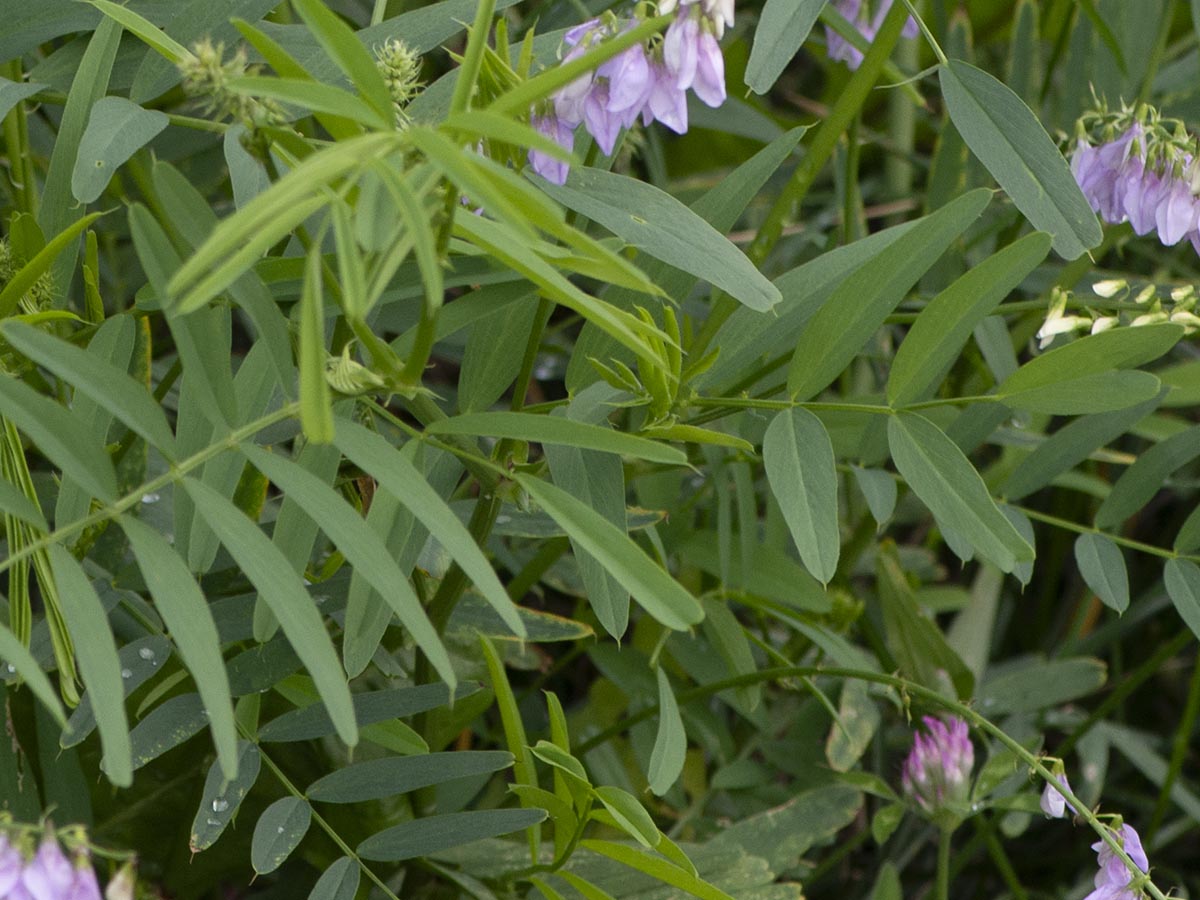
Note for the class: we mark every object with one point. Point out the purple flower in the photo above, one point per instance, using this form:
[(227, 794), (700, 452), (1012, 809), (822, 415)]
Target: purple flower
[(709, 83), (50, 875), (575, 35), (1175, 215), (11, 864), (1112, 881), (938, 769), (630, 81), (568, 102), (667, 102), (557, 130), (603, 125), (1054, 804), (681, 49), (86, 887)]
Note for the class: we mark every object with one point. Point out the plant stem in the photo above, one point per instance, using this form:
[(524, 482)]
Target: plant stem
[(942, 892)]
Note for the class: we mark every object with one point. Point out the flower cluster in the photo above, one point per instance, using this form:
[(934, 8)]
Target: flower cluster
[(48, 874), (1126, 307), (938, 770), (858, 15), (1136, 167), (648, 80), (206, 76)]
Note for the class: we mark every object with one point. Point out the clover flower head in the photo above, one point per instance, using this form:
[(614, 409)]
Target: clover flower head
[(938, 770)]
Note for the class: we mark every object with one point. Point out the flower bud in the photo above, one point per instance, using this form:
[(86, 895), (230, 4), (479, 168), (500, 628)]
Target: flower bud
[(122, 885)]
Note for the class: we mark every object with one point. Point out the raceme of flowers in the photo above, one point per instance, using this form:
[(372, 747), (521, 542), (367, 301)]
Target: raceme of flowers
[(649, 80), (1143, 170), (48, 874), (858, 15), (937, 772), (1114, 881)]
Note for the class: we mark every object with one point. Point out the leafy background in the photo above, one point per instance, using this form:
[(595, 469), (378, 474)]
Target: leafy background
[(602, 544)]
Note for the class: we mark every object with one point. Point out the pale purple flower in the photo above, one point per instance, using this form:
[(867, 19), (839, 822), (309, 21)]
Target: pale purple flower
[(709, 83), (85, 887), (121, 886), (574, 36), (548, 167), (602, 124), (11, 864), (938, 769), (568, 102), (630, 81), (1112, 881), (667, 103), (681, 49), (1054, 804), (1176, 212), (50, 874)]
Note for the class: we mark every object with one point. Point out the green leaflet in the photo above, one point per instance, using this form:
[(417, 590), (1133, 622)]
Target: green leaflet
[(861, 302), (1103, 568), (116, 130), (783, 26), (664, 228), (798, 457), (670, 744), (655, 590), (1008, 139), (948, 484), (278, 832), (946, 323)]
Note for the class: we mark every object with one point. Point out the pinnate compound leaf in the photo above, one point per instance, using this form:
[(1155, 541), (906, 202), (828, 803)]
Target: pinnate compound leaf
[(653, 588), (783, 26), (1007, 138), (1103, 568), (116, 129), (222, 796), (670, 744), (948, 484), (435, 833), (279, 830), (798, 457), (869, 294)]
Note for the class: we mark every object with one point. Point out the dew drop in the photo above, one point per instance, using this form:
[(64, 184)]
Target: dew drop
[(319, 599), (279, 830), (146, 653), (126, 673), (150, 498), (213, 822), (12, 670), (503, 520), (220, 805)]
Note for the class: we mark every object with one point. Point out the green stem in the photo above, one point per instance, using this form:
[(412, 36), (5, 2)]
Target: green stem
[(943, 865), (826, 138), (172, 475), (1183, 737), (525, 376), (16, 139), (1004, 865)]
